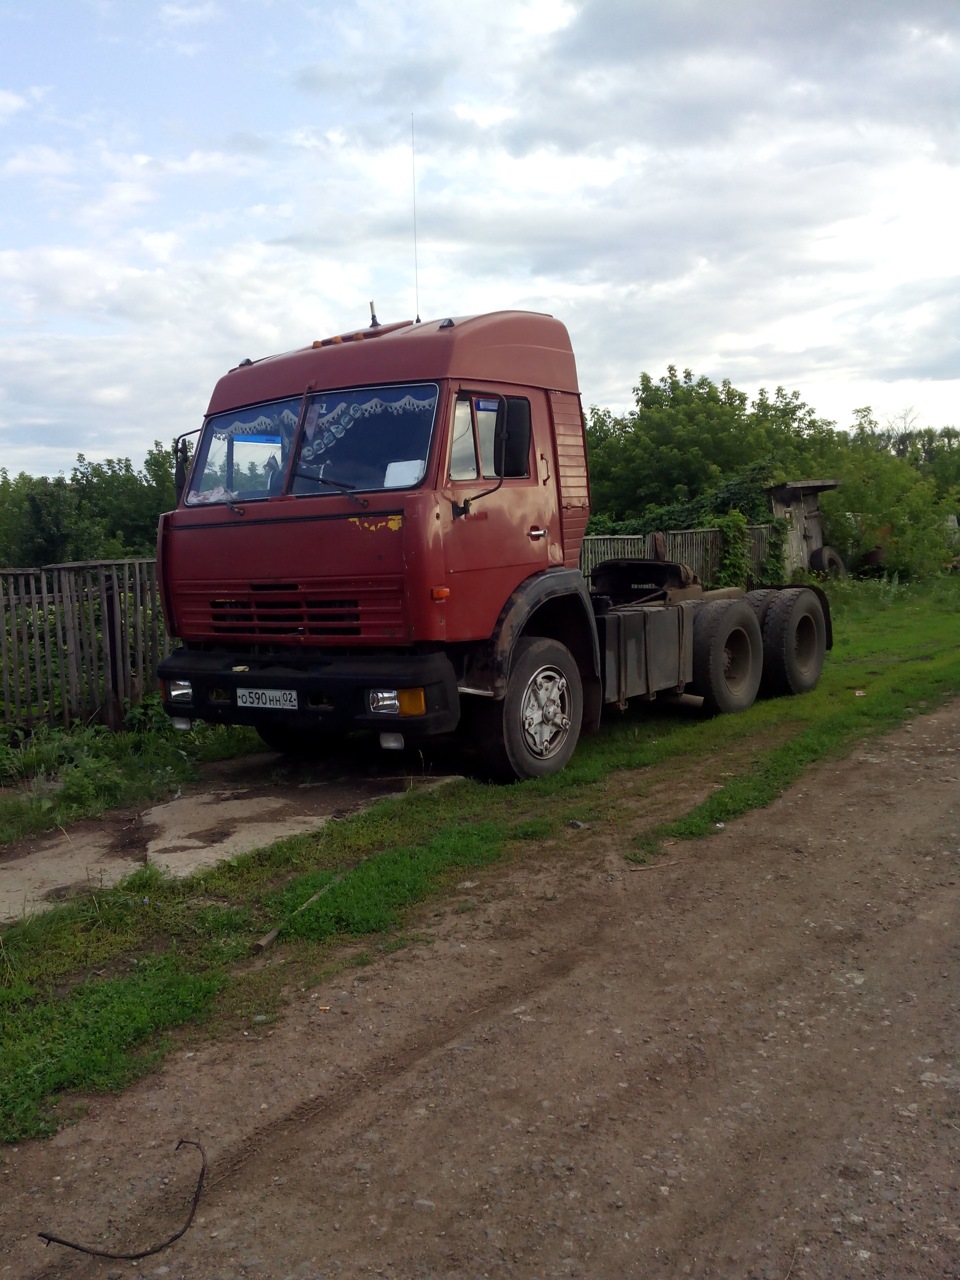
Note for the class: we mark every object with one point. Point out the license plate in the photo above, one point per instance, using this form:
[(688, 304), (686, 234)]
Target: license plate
[(275, 699)]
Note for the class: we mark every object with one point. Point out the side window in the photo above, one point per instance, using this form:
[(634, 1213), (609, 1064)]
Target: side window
[(516, 453), (463, 450), (477, 422)]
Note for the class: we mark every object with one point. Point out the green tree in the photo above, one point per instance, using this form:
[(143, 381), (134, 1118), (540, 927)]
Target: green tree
[(890, 506), (106, 510), (687, 436), (125, 504), (930, 452), (8, 519), (39, 522)]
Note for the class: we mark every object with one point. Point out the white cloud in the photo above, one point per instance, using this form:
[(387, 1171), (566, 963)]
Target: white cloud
[(10, 104), (111, 395), (115, 205), (539, 18), (205, 163), (189, 15), (38, 161), (161, 246)]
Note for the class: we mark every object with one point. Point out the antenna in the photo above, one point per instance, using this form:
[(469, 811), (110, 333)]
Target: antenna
[(416, 265)]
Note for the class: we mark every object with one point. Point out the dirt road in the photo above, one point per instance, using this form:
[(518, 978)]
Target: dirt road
[(741, 1061)]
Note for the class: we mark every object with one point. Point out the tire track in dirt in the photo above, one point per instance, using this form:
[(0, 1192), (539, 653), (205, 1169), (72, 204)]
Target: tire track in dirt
[(354, 1090)]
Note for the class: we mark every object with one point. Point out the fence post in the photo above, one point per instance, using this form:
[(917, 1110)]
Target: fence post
[(14, 650), (87, 629), (4, 653), (111, 710)]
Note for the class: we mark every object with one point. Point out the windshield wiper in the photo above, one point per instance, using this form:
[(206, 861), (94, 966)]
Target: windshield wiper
[(341, 486)]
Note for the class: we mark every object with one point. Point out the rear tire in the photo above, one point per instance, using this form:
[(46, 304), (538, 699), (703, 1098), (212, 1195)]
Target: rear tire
[(794, 642), (534, 731), (727, 655), (760, 601)]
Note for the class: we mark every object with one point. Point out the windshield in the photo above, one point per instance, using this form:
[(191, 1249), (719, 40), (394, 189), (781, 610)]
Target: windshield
[(374, 438), (377, 438)]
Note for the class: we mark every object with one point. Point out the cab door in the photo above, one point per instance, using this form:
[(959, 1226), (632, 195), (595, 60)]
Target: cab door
[(499, 515)]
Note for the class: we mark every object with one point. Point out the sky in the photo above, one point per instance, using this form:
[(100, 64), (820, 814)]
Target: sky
[(766, 191)]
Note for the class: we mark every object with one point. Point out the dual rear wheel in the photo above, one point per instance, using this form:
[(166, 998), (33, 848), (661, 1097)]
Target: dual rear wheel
[(794, 642), (771, 642)]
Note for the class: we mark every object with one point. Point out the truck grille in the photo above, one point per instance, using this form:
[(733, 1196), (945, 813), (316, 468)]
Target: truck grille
[(264, 611)]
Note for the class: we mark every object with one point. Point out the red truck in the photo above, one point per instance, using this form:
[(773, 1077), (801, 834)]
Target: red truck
[(382, 531)]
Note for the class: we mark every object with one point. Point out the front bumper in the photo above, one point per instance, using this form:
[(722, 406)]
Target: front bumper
[(331, 692)]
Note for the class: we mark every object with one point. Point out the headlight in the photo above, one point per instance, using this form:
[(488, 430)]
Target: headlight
[(179, 691), (397, 702), (385, 701)]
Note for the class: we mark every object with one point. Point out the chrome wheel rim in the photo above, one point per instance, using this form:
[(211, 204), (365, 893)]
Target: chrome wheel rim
[(545, 712)]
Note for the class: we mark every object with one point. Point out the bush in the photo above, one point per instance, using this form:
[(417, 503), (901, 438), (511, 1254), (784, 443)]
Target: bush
[(887, 513)]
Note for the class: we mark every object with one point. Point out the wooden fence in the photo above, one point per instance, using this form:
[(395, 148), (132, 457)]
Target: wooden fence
[(699, 548), (78, 641)]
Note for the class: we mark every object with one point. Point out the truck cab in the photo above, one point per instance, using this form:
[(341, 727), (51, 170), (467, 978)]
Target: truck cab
[(368, 524)]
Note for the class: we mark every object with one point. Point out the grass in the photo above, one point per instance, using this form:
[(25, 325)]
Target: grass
[(92, 1038), (52, 777), (91, 991)]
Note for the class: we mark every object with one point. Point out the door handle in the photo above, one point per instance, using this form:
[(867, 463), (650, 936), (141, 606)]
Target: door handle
[(535, 534)]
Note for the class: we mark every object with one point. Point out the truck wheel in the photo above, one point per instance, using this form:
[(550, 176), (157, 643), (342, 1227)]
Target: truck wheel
[(760, 601), (828, 562), (532, 733), (794, 642), (727, 655), (294, 742)]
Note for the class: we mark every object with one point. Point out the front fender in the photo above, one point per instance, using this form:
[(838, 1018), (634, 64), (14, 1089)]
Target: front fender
[(555, 603)]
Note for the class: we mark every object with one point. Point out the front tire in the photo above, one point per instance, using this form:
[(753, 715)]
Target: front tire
[(534, 731)]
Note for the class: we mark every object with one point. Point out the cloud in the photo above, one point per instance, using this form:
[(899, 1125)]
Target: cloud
[(384, 82), (691, 73), (10, 105), (189, 15), (115, 205), (138, 351), (249, 143), (38, 161)]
